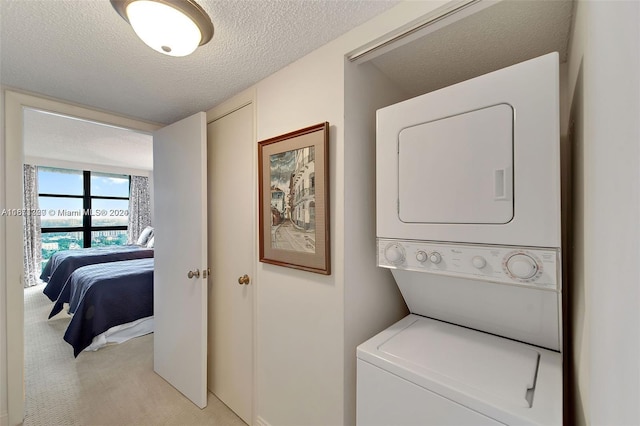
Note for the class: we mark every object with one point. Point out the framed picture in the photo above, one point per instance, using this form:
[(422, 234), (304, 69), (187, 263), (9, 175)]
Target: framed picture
[(294, 199)]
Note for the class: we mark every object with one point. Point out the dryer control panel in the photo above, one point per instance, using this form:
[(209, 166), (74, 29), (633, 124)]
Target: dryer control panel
[(524, 266)]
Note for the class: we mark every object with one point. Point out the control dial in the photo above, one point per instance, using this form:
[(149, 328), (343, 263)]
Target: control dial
[(522, 266), (421, 256), (478, 262), (394, 253), (435, 257)]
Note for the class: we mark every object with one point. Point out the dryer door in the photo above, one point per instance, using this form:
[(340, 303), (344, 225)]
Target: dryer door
[(458, 169)]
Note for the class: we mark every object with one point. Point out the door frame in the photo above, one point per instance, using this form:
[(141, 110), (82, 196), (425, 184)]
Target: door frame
[(241, 100), (11, 251)]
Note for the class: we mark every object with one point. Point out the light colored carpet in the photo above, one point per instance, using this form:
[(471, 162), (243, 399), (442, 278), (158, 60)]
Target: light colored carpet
[(113, 386)]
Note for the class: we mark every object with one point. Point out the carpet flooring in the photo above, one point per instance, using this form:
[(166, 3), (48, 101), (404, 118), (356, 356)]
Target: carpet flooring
[(113, 386)]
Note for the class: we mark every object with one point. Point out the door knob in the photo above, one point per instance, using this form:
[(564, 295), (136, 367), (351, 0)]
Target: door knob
[(192, 274), (244, 279)]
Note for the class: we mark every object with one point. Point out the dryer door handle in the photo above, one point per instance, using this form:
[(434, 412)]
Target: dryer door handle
[(502, 184)]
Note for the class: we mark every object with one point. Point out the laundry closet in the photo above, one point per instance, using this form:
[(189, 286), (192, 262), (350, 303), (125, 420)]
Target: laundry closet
[(471, 40)]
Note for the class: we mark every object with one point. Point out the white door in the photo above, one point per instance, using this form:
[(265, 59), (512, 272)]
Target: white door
[(232, 213), (180, 222)]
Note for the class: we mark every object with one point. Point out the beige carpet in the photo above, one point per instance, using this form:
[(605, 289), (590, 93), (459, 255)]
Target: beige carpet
[(113, 386)]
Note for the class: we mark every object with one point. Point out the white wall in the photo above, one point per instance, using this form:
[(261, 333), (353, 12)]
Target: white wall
[(612, 209), (372, 299), (604, 75), (300, 314), (302, 337)]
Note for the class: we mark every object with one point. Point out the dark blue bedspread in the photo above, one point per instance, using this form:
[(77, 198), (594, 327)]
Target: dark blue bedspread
[(63, 263), (106, 295)]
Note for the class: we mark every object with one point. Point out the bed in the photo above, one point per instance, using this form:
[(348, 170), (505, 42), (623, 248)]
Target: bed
[(63, 263), (105, 296)]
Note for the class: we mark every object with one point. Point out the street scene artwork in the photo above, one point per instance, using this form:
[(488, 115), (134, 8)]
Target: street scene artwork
[(293, 200)]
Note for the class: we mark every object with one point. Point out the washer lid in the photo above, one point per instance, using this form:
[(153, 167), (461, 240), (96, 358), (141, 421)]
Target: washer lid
[(473, 360)]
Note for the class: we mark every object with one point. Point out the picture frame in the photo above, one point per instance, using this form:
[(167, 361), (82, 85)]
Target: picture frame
[(293, 187)]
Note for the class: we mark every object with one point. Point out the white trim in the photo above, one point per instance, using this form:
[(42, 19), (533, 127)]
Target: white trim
[(15, 102), (240, 100), (439, 18), (261, 422), (13, 260), (3, 330), (84, 120), (78, 111)]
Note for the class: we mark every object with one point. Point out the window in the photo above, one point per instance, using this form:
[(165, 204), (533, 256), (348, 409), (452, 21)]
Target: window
[(82, 209)]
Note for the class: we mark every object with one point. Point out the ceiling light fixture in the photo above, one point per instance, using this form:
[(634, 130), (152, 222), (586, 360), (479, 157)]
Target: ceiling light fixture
[(172, 27)]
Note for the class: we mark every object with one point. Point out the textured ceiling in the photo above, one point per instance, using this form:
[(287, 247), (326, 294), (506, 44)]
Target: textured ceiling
[(82, 51), (504, 34)]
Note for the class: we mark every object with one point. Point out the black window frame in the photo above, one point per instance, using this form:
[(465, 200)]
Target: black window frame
[(87, 227)]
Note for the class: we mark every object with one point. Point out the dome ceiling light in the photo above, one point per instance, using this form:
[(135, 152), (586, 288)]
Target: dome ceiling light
[(172, 27)]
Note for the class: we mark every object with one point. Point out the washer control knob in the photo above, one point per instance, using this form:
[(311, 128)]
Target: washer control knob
[(522, 266), (394, 253), (421, 256), (435, 257), (479, 262)]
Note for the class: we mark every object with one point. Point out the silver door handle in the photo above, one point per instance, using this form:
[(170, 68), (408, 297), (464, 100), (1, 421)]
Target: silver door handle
[(192, 274)]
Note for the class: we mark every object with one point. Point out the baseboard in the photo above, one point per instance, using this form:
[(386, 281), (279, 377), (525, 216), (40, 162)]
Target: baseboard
[(4, 419), (261, 422)]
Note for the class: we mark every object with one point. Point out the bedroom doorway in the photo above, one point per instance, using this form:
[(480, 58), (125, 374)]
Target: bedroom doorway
[(15, 105)]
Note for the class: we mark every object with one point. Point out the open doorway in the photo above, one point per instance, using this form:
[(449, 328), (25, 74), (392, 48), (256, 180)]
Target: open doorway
[(15, 106), (85, 181)]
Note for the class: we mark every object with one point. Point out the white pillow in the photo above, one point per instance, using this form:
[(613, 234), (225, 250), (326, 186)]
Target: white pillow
[(145, 235), (151, 242)]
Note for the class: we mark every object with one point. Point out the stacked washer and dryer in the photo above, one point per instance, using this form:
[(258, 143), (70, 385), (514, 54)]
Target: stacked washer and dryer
[(469, 222)]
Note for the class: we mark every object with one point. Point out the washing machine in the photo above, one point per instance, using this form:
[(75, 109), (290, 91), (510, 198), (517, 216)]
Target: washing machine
[(469, 223), (449, 362), (422, 372)]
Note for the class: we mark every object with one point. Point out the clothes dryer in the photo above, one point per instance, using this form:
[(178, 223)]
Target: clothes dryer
[(476, 162)]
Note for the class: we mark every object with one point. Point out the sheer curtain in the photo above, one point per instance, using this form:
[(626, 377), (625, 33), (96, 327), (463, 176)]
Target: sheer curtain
[(139, 207), (32, 237)]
